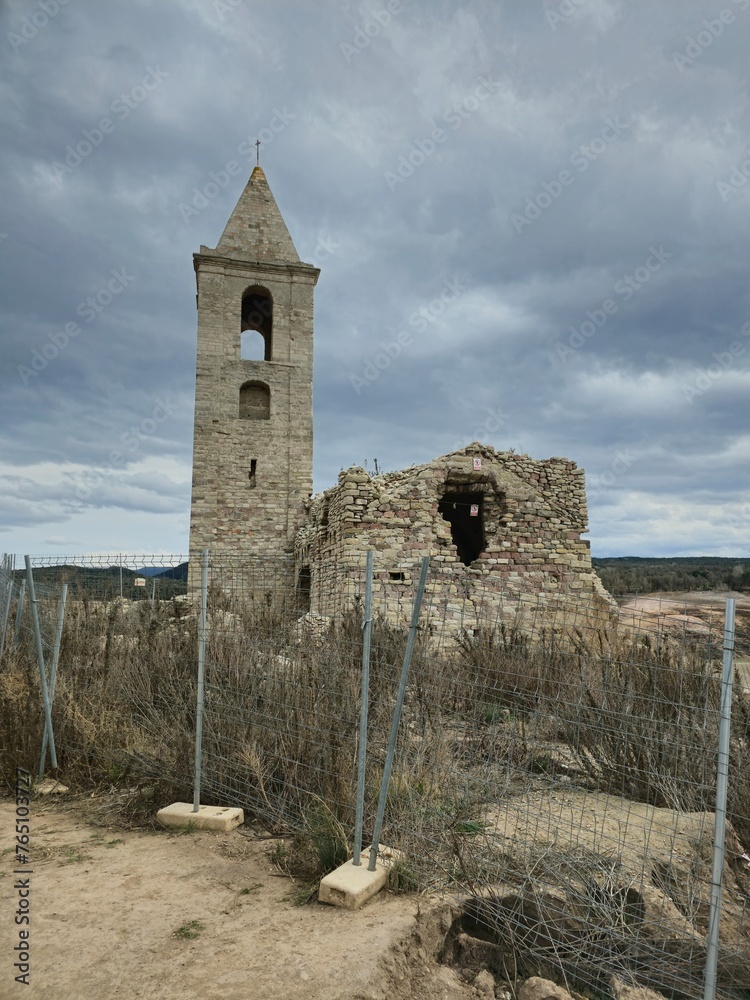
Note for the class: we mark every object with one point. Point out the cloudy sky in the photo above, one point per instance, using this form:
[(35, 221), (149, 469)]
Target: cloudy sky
[(531, 219)]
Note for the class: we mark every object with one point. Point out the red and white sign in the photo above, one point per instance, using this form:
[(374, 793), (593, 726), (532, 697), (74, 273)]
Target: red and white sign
[(474, 510), (477, 464)]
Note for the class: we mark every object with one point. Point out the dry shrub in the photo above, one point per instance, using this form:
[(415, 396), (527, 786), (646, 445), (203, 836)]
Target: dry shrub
[(124, 703), (21, 721), (282, 716), (505, 667), (640, 712), (648, 729)]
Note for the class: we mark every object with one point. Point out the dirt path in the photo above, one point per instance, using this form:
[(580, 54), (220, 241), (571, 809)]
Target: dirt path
[(107, 906)]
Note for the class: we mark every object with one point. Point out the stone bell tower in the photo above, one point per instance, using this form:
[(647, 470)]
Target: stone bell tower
[(252, 444)]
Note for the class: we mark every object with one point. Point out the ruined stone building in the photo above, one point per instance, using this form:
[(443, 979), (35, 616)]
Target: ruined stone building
[(492, 522)]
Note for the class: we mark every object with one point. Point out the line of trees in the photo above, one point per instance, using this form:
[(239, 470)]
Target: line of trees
[(103, 582), (637, 575)]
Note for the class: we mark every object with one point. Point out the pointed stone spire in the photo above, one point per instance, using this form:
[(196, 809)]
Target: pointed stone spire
[(256, 230)]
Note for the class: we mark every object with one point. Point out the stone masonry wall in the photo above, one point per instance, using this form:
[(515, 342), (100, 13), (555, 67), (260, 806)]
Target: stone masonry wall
[(232, 513), (534, 514)]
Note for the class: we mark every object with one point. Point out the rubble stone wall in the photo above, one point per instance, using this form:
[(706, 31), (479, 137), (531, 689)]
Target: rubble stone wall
[(533, 515)]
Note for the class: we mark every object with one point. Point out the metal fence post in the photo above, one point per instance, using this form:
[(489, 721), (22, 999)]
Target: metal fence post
[(53, 677), (720, 815), (8, 571), (19, 615), (363, 712), (6, 615), (40, 658), (201, 680), (397, 715)]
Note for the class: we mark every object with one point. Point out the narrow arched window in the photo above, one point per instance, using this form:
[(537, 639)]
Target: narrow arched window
[(255, 401), (253, 346), (256, 327)]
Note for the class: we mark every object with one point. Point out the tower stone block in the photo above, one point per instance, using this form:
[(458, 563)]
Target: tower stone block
[(252, 442)]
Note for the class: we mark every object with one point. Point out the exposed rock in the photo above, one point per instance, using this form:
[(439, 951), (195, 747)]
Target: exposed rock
[(641, 936), (484, 983), (311, 627), (622, 991), (542, 989), (471, 952)]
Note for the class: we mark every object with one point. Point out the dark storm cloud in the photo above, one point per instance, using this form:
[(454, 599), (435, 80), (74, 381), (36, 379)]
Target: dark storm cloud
[(530, 218)]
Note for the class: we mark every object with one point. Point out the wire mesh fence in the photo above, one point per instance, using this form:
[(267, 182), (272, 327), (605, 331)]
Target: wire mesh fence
[(107, 576), (556, 763), (6, 597)]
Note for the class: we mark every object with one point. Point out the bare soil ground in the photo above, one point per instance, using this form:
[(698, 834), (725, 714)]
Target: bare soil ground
[(124, 913), (695, 615)]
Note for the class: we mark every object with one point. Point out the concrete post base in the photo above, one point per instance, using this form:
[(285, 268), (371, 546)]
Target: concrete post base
[(50, 786), (180, 816), (350, 887)]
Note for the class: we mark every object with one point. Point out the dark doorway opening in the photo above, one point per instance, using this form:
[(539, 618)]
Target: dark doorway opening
[(304, 585), (463, 511)]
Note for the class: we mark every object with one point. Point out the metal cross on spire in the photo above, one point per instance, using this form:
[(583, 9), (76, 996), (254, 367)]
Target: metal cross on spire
[(257, 152)]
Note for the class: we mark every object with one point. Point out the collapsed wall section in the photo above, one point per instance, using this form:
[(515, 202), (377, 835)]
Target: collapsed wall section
[(495, 524)]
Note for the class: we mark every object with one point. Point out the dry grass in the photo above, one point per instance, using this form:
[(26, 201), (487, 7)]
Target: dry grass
[(638, 715), (505, 709)]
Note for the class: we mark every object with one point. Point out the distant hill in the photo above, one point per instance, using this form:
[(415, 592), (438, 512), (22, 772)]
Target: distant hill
[(104, 581), (175, 572), (643, 575), (172, 573)]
